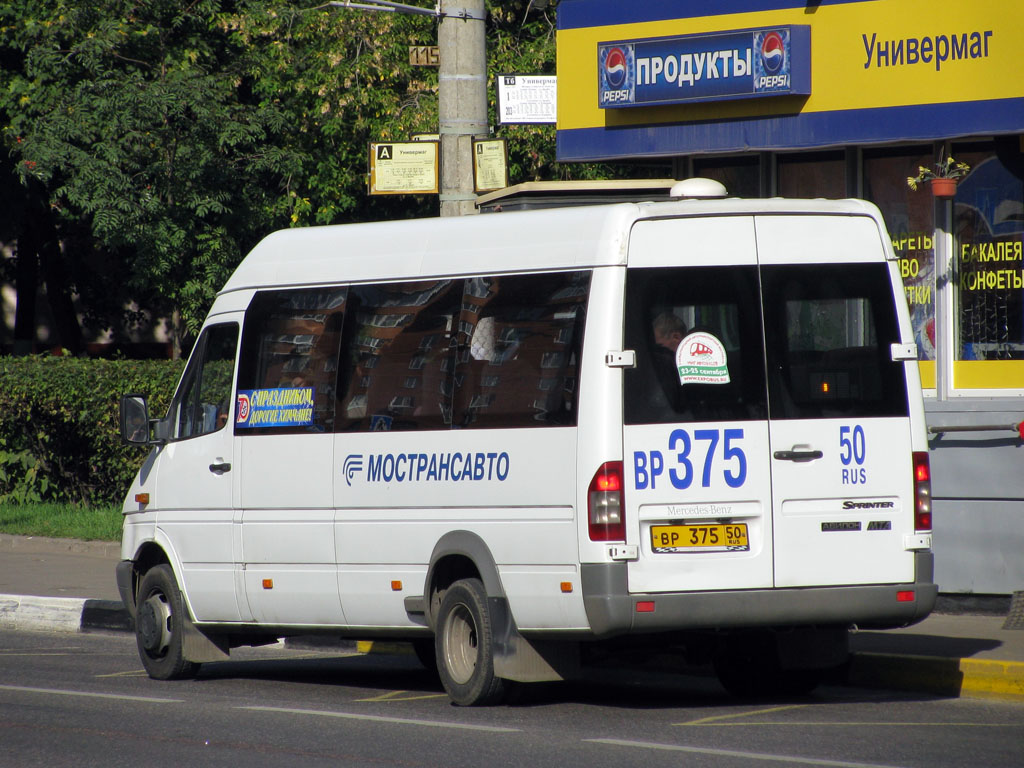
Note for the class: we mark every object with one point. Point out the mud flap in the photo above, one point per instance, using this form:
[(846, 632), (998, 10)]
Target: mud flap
[(199, 647), (528, 661)]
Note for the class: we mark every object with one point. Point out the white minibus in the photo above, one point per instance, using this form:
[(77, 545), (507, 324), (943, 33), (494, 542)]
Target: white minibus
[(514, 439)]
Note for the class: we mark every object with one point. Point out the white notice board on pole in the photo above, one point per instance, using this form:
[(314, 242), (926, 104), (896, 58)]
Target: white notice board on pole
[(404, 168), (527, 99)]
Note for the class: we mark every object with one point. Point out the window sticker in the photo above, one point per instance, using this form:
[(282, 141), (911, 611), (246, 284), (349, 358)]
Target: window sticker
[(277, 407), (701, 359)]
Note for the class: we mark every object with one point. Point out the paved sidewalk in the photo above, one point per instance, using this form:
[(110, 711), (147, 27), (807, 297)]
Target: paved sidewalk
[(64, 585)]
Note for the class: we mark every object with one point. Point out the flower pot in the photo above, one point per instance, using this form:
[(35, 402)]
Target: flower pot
[(943, 187)]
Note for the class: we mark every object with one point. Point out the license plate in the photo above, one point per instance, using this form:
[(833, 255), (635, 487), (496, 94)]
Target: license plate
[(714, 537)]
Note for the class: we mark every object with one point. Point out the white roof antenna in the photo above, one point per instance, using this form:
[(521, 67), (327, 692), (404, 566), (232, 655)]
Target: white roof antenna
[(698, 188)]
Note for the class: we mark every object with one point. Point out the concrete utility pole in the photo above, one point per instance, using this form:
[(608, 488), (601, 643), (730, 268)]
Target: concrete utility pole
[(461, 92), (462, 100)]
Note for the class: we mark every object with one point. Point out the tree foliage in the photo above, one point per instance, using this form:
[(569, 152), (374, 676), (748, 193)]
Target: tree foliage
[(163, 138)]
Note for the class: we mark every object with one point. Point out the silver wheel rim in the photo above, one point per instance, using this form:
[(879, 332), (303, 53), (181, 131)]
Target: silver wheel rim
[(461, 644), (162, 612)]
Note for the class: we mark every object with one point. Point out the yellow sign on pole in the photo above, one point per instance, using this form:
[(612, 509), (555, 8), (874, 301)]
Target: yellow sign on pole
[(404, 168), (490, 164)]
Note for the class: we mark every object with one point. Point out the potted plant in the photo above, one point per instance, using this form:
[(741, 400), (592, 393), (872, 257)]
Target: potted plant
[(942, 176)]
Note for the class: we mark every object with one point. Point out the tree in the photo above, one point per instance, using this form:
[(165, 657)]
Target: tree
[(154, 141), (128, 117)]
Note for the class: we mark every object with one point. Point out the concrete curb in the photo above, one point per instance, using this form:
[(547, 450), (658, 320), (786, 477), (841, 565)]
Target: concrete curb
[(976, 678), (62, 614)]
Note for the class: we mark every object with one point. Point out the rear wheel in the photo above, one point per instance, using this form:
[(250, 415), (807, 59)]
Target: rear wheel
[(159, 619), (465, 646), (750, 668)]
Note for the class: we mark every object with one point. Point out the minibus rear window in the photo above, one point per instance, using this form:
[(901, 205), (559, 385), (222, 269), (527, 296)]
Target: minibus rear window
[(829, 331), (671, 312)]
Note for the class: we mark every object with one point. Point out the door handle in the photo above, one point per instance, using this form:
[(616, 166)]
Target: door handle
[(798, 455), (220, 469)]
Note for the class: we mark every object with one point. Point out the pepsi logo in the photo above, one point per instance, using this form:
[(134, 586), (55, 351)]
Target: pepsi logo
[(773, 52), (615, 67)]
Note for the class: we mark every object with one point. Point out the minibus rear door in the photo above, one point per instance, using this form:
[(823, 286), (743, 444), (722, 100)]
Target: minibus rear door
[(841, 449), (696, 452)]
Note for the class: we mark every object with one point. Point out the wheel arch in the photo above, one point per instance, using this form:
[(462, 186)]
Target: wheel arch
[(148, 555), (459, 555)]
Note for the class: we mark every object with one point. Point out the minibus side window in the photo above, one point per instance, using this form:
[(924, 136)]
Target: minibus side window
[(520, 338), (829, 330), (203, 401), (397, 356), (673, 311), (289, 361)]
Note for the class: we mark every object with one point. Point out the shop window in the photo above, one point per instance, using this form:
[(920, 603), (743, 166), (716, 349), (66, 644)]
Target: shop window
[(988, 245), (821, 174), (403, 333), (289, 361), (740, 175), (526, 331), (909, 218)]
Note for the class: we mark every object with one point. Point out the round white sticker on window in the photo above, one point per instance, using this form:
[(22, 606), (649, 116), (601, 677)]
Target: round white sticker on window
[(701, 359)]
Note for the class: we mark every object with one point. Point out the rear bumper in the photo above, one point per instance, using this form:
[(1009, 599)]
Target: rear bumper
[(612, 610)]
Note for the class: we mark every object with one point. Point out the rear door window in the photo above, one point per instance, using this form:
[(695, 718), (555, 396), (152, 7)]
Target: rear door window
[(829, 331), (674, 317)]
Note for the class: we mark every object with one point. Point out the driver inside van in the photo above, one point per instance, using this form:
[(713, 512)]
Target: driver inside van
[(669, 330)]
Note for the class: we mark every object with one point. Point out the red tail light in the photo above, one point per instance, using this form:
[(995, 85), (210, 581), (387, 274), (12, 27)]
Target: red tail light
[(922, 492), (605, 507)]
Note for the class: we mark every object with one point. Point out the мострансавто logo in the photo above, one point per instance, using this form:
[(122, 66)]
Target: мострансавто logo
[(615, 68), (773, 53), (454, 466)]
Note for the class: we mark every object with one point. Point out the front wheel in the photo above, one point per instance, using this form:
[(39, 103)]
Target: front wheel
[(465, 646), (159, 625)]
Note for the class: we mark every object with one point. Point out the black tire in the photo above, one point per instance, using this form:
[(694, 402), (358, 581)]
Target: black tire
[(465, 646), (751, 670), (158, 626)]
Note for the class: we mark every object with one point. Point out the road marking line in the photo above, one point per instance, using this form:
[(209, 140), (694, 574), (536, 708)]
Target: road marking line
[(133, 673), (396, 696), (774, 723), (713, 718), (60, 692), (789, 759), (27, 653), (382, 719)]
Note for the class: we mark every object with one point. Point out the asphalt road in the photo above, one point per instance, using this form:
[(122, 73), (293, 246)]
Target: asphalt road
[(83, 700)]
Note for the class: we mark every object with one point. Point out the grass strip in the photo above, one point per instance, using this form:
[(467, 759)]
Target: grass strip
[(61, 521)]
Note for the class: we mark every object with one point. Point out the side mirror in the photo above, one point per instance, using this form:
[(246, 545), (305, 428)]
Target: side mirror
[(134, 420)]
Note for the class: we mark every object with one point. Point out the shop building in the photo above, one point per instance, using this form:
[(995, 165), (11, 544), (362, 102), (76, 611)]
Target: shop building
[(849, 99)]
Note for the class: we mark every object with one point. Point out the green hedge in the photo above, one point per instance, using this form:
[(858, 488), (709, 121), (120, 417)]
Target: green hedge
[(59, 438)]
